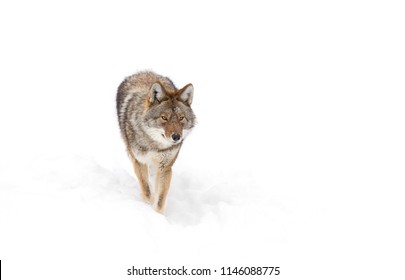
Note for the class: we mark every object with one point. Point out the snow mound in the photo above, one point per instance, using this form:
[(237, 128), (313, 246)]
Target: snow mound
[(195, 197)]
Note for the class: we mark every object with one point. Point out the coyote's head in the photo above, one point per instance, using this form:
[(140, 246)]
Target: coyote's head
[(169, 117)]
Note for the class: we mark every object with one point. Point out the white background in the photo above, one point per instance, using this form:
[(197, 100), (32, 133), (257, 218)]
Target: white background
[(297, 160)]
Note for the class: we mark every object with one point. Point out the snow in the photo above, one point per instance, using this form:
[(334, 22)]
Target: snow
[(297, 159)]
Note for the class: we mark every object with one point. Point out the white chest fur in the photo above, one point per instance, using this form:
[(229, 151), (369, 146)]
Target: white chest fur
[(159, 159)]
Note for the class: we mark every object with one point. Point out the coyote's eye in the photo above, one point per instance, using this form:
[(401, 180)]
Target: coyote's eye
[(181, 118), (164, 118)]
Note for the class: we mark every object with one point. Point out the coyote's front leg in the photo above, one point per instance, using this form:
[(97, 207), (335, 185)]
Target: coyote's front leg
[(141, 171), (162, 185)]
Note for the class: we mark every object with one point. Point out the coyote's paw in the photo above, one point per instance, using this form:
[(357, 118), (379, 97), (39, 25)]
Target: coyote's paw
[(148, 199), (158, 208)]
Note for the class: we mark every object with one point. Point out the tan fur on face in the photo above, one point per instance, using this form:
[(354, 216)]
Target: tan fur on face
[(172, 127)]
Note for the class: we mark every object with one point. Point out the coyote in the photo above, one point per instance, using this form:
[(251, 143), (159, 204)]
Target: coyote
[(154, 118)]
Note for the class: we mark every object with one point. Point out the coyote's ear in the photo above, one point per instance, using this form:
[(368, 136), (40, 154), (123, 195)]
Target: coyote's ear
[(156, 93), (186, 94)]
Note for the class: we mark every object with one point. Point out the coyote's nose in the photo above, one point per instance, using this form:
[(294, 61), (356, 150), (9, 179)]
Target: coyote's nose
[(175, 137)]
